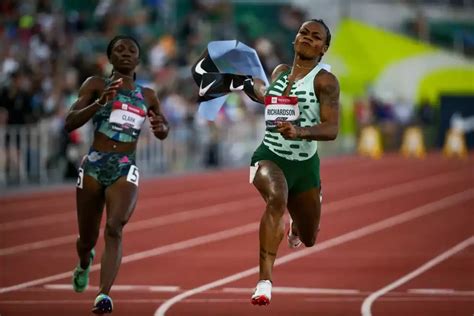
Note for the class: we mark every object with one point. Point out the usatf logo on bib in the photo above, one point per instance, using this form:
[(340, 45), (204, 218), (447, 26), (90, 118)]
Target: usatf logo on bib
[(126, 118), (281, 108)]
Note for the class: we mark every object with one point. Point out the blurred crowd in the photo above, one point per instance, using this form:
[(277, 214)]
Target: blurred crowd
[(48, 48)]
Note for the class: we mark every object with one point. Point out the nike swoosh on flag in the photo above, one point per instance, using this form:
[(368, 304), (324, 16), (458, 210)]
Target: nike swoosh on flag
[(199, 69), (232, 88), (202, 91)]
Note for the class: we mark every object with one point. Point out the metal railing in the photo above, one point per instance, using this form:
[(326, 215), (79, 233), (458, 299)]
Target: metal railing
[(40, 154)]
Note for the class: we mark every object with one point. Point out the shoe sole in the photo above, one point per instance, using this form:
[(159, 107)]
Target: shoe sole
[(99, 311), (261, 300), (103, 306)]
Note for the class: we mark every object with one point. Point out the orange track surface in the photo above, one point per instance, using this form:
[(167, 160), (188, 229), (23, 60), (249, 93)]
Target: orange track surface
[(383, 221)]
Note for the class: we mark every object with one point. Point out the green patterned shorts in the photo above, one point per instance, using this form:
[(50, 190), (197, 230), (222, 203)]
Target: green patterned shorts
[(106, 168), (300, 176)]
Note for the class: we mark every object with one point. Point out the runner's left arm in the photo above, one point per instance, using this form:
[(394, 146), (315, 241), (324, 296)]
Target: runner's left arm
[(158, 122)]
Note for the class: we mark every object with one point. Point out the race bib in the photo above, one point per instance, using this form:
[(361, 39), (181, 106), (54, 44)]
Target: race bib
[(133, 175), (80, 178), (126, 118), (281, 108)]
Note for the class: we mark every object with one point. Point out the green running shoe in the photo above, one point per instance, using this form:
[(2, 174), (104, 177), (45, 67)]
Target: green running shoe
[(80, 276)]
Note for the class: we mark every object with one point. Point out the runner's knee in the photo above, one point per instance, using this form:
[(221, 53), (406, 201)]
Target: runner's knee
[(114, 228), (276, 205)]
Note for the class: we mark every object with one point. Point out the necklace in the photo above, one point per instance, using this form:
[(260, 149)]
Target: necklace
[(298, 66)]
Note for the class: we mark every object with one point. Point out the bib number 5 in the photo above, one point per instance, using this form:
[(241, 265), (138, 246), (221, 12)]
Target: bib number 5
[(80, 178), (133, 175)]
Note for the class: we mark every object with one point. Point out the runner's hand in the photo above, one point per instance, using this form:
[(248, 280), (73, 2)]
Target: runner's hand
[(157, 124), (287, 130), (110, 91)]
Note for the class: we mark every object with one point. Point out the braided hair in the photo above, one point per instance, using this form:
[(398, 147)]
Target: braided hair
[(328, 32)]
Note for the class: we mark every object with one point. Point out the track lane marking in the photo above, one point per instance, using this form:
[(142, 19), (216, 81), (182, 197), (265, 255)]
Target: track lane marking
[(352, 235), (207, 211), (373, 196), (366, 308), (66, 216), (221, 235)]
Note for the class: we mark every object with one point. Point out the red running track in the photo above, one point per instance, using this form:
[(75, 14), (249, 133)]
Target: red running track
[(396, 239)]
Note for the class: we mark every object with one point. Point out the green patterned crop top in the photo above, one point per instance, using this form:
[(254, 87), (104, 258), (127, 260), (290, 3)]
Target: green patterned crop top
[(121, 119)]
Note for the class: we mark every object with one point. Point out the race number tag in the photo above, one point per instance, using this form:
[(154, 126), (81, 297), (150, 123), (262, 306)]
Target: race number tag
[(80, 178), (133, 175), (281, 108), (126, 118), (253, 172)]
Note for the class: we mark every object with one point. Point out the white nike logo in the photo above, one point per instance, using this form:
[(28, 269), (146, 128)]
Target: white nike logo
[(202, 91), (199, 69), (232, 88)]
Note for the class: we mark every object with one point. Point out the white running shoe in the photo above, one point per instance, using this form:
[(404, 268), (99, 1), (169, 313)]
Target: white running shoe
[(293, 240), (263, 293)]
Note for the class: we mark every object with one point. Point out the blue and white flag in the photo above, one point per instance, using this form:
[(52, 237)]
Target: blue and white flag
[(227, 57)]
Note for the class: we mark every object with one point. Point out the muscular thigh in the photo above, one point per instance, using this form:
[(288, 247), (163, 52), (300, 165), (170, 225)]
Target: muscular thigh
[(121, 198), (90, 204), (305, 210), (270, 180)]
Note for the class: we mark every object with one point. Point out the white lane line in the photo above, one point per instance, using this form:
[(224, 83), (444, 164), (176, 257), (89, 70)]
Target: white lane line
[(172, 288), (119, 301), (410, 293), (119, 288), (345, 204), (391, 299), (178, 217), (204, 239), (202, 192), (203, 195), (296, 290), (447, 292), (145, 254), (224, 300), (66, 216), (355, 234), (400, 189), (367, 304), (36, 221)]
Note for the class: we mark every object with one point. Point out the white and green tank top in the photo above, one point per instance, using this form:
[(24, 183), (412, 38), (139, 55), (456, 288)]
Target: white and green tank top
[(303, 89)]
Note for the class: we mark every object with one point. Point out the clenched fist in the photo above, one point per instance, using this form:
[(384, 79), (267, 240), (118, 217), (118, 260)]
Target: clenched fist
[(288, 130), (158, 124)]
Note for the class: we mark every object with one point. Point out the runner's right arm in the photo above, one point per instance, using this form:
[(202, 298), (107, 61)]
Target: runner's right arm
[(84, 108), (259, 87)]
